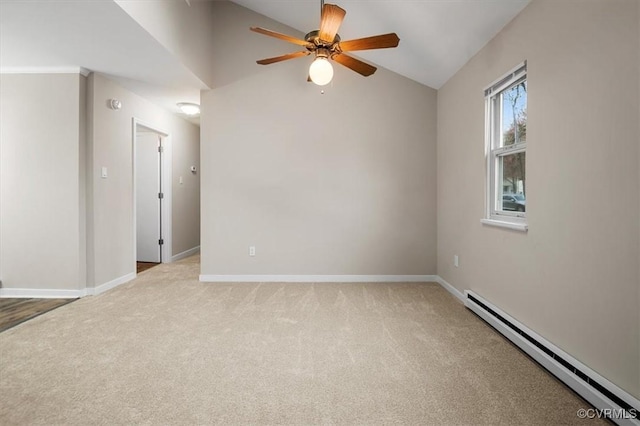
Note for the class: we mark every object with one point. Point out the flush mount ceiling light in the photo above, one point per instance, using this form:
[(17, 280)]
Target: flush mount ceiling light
[(326, 45), (189, 108)]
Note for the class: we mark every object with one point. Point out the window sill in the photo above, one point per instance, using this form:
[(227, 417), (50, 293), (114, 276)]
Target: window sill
[(521, 227)]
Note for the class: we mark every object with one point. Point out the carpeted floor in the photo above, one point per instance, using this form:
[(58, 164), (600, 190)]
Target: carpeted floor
[(167, 349)]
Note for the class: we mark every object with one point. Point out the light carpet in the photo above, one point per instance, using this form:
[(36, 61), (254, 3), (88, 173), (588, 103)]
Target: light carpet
[(167, 349)]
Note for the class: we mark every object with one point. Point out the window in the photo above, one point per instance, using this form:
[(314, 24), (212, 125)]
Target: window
[(506, 150)]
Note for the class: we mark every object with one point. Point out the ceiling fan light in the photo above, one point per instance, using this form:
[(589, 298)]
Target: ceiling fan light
[(321, 71), (189, 108)]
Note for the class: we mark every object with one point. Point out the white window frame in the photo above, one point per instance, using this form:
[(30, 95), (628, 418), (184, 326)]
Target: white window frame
[(493, 152)]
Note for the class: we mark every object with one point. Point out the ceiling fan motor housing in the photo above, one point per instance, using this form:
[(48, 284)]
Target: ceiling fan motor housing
[(323, 52), (326, 43), (314, 38)]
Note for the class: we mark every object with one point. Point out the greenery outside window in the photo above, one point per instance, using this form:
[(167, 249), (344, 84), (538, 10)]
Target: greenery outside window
[(506, 150)]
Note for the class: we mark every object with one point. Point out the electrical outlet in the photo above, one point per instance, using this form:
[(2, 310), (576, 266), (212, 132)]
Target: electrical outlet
[(252, 250), (456, 260)]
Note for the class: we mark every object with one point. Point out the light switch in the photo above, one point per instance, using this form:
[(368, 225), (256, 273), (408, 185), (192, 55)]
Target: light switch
[(103, 174), (181, 181)]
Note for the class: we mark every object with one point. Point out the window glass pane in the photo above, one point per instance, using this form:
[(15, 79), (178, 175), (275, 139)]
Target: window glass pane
[(514, 114), (512, 183)]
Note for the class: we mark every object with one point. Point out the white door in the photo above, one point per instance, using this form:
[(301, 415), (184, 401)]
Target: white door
[(148, 198)]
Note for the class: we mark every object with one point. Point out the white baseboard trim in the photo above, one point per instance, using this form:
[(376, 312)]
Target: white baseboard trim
[(37, 293), (451, 289), (32, 293), (111, 284), (185, 254), (317, 278)]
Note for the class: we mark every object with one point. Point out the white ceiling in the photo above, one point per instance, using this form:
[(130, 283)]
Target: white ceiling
[(59, 35), (437, 38)]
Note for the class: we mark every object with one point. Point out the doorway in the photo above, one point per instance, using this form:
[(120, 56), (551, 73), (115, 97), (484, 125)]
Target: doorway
[(150, 196)]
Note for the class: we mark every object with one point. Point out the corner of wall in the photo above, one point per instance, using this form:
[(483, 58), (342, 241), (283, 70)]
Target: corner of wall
[(82, 190), (89, 224), (638, 138)]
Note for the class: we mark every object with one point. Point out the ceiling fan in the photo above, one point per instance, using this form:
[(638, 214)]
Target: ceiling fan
[(326, 44)]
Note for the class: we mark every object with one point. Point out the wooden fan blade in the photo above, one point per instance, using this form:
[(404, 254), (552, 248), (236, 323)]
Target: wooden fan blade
[(355, 64), (375, 42), (332, 17), (283, 57), (279, 35)]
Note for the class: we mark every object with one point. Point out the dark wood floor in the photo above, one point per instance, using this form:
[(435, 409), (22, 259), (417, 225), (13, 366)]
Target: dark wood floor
[(143, 266), (15, 311)]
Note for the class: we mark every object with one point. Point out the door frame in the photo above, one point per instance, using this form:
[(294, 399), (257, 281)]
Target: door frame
[(166, 178)]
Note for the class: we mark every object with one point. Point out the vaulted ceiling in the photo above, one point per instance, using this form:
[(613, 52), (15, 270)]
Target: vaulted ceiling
[(437, 38), (58, 36)]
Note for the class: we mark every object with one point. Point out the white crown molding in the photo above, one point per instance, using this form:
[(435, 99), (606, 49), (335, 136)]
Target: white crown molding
[(45, 70)]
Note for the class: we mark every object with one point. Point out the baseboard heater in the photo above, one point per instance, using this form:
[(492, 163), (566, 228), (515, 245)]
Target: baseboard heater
[(608, 399)]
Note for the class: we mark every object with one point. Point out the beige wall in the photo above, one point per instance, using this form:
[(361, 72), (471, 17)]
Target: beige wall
[(42, 179), (573, 278), (186, 196), (340, 183), (185, 30), (111, 217), (237, 49)]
